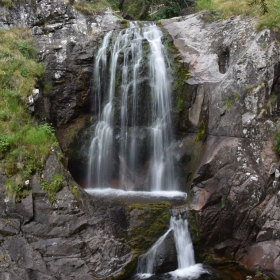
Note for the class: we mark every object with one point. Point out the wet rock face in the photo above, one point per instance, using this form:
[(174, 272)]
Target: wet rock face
[(166, 258), (78, 236), (234, 169)]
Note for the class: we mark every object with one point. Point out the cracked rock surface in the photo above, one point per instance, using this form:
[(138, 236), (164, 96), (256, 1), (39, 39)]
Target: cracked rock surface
[(234, 76)]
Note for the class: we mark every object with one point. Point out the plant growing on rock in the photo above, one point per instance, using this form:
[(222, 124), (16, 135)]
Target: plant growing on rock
[(52, 187), (24, 144), (267, 12)]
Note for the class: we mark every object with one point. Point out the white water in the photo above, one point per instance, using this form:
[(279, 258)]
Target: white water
[(184, 247), (119, 73), (120, 68), (187, 269), (101, 145)]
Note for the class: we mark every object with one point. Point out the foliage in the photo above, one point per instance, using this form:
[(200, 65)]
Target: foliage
[(272, 100), (170, 8), (261, 275), (74, 190), (267, 12), (277, 141), (6, 3), (228, 103), (201, 131), (90, 7), (52, 187), (24, 144), (165, 12), (262, 3), (15, 189)]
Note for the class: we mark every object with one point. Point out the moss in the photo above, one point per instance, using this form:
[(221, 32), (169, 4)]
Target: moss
[(181, 95), (124, 23), (154, 219), (194, 230), (129, 268), (201, 130)]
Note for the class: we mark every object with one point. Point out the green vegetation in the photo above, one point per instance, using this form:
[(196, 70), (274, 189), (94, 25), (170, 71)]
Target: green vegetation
[(74, 190), (155, 220), (52, 187), (16, 189), (201, 130), (24, 144), (267, 12), (228, 103), (272, 100), (90, 7), (169, 8), (261, 275), (237, 96), (277, 141)]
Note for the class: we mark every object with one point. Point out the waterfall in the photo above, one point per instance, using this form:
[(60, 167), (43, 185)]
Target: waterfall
[(133, 129), (184, 246), (147, 263), (132, 133)]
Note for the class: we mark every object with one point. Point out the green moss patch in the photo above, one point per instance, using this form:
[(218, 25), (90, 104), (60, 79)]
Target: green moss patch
[(151, 223)]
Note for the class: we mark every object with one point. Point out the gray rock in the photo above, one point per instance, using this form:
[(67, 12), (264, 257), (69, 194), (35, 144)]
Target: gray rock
[(232, 172)]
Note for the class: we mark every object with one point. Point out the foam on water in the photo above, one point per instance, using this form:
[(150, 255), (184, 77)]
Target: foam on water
[(191, 272), (109, 192)]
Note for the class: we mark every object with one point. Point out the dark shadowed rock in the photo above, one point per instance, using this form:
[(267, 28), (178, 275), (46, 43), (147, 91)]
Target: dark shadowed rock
[(166, 257)]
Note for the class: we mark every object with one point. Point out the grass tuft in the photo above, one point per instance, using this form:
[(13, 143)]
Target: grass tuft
[(24, 144), (228, 8), (89, 8)]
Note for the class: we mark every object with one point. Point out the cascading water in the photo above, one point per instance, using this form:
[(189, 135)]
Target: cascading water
[(130, 68), (184, 246), (187, 269), (133, 131)]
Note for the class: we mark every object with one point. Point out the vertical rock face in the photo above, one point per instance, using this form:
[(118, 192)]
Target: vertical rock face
[(234, 71)]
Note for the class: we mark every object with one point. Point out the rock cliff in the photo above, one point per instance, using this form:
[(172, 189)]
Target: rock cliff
[(234, 170), (77, 236), (227, 121)]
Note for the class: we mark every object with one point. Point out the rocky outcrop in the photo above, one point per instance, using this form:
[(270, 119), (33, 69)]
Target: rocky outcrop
[(234, 170), (67, 41), (76, 237)]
